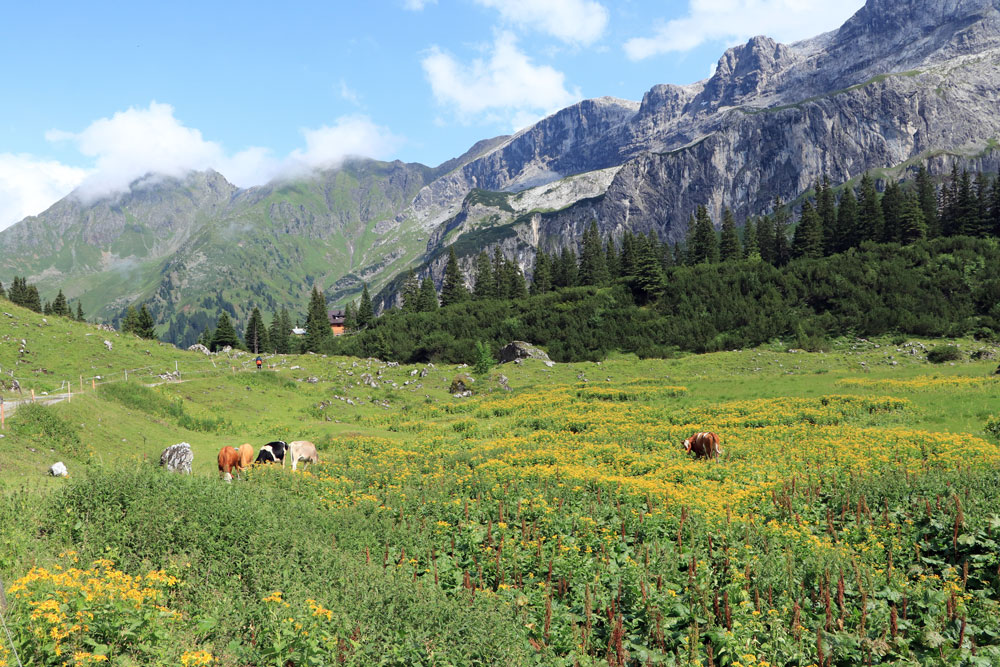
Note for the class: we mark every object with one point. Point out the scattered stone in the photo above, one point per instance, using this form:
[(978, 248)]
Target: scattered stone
[(107, 344), (367, 379), (295, 368), (460, 386), (312, 379), (414, 372), (519, 349), (177, 458), (58, 469), (549, 363), (198, 347)]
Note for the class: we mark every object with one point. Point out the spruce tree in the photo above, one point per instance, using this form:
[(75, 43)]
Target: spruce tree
[(318, 333), (870, 219), (428, 296), (826, 208), (351, 314), (3, 292), (515, 287), (225, 334), (927, 196), (782, 250), (256, 333), (541, 278), (130, 323), (649, 272), (145, 326), (497, 271), (612, 260), (411, 292), (59, 306), (966, 207), (892, 211), (982, 225), (32, 300), (808, 240), (765, 238), (704, 244), (486, 283), (949, 204), (79, 312), (47, 308), (848, 227), (568, 270), (453, 288), (751, 250), (729, 243), (593, 267), (281, 329), (366, 312), (629, 261), (995, 207), (912, 223)]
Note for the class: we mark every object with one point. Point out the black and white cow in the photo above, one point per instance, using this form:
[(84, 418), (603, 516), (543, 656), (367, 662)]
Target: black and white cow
[(272, 452)]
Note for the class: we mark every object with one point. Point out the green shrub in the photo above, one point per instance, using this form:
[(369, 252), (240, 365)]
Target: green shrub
[(943, 353), (993, 426)]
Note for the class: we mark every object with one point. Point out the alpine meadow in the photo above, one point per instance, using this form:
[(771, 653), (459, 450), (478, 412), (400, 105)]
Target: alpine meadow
[(706, 379)]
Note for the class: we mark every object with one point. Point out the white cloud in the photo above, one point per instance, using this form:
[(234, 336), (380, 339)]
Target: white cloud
[(349, 94), (28, 186), (417, 5), (571, 21), (737, 20), (507, 87), (327, 146), (136, 142)]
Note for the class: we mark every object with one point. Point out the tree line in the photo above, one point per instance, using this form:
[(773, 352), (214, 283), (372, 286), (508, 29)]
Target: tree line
[(25, 294)]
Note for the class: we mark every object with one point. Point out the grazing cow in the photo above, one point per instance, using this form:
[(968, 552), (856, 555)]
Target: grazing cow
[(272, 452), (229, 459), (302, 450), (246, 456), (177, 458), (703, 445)]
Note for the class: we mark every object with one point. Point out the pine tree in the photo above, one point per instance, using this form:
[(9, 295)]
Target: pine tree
[(366, 312), (79, 312), (145, 326), (808, 240), (826, 208), (453, 289), (497, 271), (892, 210), (751, 250), (927, 196), (225, 334), (486, 283), (704, 245), (428, 296), (130, 323), (411, 292), (912, 223), (782, 251), (514, 285), (3, 292), (729, 243), (870, 219), (593, 267), (206, 337), (541, 278), (59, 306), (47, 308), (966, 207), (318, 333), (995, 207), (848, 227), (949, 205), (256, 333), (982, 226)]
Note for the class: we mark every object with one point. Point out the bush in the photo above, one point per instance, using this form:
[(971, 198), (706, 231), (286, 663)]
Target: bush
[(943, 353), (484, 359), (993, 426)]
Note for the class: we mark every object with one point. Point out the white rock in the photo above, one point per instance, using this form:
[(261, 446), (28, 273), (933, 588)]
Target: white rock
[(58, 469)]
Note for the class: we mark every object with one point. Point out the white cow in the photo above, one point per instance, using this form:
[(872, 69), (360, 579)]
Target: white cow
[(302, 450)]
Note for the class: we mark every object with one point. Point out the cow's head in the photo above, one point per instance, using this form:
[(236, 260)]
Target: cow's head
[(687, 445)]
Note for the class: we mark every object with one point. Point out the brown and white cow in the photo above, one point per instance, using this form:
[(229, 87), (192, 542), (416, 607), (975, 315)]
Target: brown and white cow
[(302, 450), (229, 460), (704, 444)]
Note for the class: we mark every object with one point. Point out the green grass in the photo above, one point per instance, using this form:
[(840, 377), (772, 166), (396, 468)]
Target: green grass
[(232, 545)]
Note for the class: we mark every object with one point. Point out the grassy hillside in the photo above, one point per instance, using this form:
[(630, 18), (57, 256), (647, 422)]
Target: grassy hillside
[(850, 519)]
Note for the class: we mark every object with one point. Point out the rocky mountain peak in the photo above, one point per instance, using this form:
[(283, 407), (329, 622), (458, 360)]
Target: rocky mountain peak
[(745, 71)]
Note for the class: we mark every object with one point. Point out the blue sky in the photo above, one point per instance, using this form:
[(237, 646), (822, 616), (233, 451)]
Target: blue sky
[(98, 94)]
